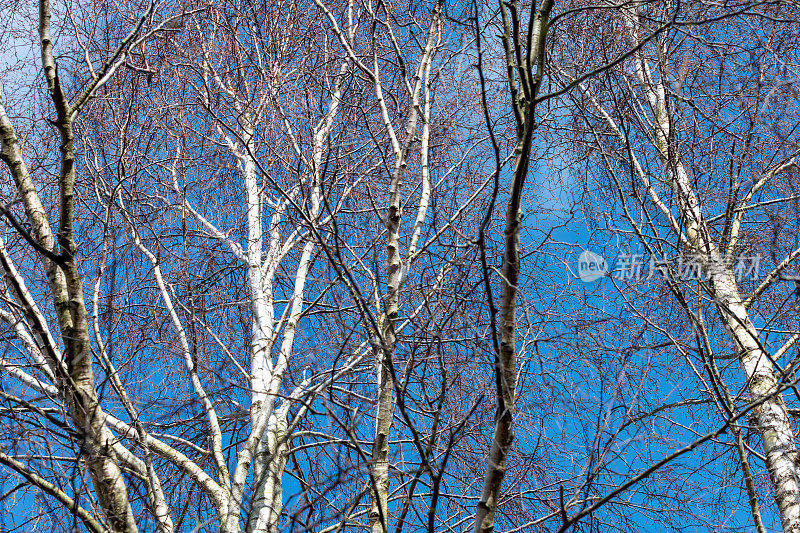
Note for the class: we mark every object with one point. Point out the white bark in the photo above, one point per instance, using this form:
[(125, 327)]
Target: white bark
[(64, 280), (158, 502), (505, 356), (386, 339), (191, 367), (14, 280), (771, 416), (268, 467)]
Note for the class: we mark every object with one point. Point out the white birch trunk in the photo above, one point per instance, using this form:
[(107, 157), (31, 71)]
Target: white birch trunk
[(505, 371), (66, 288), (771, 416), (268, 467)]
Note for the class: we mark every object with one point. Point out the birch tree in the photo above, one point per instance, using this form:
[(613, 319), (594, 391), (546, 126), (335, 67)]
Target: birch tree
[(261, 252), (156, 219), (69, 364), (283, 294), (704, 202)]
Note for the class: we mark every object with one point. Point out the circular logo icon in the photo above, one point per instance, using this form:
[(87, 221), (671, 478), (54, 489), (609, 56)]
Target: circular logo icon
[(591, 266)]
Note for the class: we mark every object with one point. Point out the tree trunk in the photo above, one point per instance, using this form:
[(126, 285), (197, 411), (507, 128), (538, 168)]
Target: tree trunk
[(771, 417), (269, 465)]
